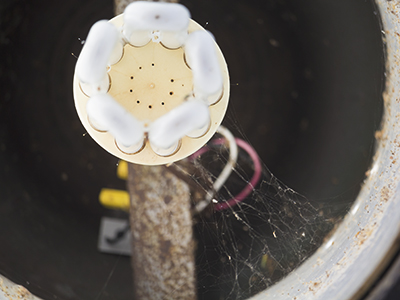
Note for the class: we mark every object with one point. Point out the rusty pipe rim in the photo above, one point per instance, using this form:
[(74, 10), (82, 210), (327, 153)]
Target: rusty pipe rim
[(364, 243)]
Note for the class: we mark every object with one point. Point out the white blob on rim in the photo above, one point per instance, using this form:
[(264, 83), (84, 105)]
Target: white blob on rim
[(202, 59), (167, 130), (91, 67), (111, 116), (141, 18)]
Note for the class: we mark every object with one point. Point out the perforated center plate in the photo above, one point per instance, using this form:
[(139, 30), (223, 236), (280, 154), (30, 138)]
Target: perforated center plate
[(149, 81), (150, 87)]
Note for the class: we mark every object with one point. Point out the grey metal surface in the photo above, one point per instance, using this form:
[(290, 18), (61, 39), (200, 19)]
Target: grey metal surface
[(109, 229)]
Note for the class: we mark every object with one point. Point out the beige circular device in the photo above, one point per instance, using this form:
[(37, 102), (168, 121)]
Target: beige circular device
[(148, 82)]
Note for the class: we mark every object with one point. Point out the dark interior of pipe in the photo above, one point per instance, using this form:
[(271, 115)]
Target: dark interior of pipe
[(306, 92)]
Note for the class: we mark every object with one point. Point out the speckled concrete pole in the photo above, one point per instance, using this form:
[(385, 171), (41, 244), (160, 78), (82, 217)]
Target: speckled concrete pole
[(161, 224), (162, 237)]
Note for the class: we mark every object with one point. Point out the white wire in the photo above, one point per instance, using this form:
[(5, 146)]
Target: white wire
[(226, 172)]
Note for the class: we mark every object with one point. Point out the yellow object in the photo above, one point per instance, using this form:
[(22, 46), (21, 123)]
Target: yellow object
[(264, 260), (122, 170), (114, 199)]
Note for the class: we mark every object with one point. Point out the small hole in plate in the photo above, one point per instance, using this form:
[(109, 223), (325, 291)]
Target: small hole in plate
[(150, 106), (171, 93)]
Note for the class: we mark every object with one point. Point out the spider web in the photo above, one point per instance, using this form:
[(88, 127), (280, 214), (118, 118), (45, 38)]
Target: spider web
[(247, 247)]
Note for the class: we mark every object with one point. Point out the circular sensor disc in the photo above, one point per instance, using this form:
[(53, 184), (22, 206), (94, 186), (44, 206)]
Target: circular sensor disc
[(148, 82)]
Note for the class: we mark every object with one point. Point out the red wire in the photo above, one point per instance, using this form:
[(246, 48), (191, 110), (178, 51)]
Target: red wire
[(253, 181)]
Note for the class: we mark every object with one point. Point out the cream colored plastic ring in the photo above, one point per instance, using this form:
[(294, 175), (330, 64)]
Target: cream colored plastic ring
[(149, 81)]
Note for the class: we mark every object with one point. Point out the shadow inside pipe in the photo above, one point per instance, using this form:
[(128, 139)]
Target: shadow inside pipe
[(306, 93)]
